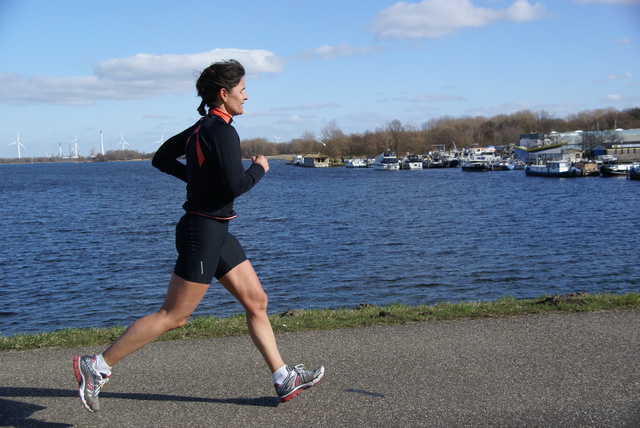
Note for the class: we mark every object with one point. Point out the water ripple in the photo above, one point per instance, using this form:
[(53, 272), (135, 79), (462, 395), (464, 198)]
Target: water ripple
[(93, 244)]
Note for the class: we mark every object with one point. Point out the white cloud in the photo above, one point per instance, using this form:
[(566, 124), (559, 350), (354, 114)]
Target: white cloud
[(620, 99), (339, 51), (610, 77), (139, 76), (437, 18), (622, 2), (159, 67), (296, 119)]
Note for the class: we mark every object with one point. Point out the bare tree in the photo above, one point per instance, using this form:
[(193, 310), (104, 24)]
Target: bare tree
[(395, 129)]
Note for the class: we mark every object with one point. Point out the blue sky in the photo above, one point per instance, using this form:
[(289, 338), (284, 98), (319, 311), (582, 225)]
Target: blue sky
[(72, 68)]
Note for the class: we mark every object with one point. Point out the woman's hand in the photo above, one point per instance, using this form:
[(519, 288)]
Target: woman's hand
[(262, 161)]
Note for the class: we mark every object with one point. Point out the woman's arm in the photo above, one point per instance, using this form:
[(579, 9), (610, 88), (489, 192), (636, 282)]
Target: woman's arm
[(234, 179), (166, 158)]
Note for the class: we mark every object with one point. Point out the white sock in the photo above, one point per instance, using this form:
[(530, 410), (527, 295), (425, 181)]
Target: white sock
[(280, 375), (102, 366)]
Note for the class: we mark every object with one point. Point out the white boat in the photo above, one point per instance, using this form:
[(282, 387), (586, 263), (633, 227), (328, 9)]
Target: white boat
[(441, 160), (616, 170), (479, 162), (502, 165), (557, 168), (411, 162), (356, 163), (476, 166), (386, 161)]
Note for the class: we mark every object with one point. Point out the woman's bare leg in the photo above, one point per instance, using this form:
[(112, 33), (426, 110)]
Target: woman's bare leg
[(243, 283), (182, 299)]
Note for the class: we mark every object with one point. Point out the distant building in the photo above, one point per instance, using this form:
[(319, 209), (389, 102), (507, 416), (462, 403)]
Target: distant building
[(540, 147), (543, 154), (628, 149)]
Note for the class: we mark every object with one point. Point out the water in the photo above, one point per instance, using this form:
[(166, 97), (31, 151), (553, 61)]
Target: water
[(92, 244)]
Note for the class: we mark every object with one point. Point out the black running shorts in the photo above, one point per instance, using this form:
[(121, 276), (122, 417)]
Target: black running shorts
[(206, 249)]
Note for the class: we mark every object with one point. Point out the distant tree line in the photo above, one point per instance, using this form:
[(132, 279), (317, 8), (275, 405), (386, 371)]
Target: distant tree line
[(444, 133), (121, 155), (111, 155)]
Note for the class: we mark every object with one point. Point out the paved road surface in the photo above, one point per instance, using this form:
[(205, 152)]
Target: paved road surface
[(545, 370)]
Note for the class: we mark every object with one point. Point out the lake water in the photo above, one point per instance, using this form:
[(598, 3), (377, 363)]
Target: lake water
[(88, 245)]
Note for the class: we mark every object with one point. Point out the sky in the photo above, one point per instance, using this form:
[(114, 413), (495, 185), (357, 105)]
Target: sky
[(71, 69)]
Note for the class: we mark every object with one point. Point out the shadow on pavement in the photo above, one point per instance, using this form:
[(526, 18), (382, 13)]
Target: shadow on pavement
[(17, 414)]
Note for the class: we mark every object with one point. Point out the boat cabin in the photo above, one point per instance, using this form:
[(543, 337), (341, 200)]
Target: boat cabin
[(316, 160)]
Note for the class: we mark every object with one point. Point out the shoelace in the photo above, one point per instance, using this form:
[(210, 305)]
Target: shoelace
[(99, 380), (299, 368)]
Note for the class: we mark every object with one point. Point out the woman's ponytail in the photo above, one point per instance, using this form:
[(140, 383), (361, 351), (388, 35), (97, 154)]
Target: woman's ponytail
[(201, 109)]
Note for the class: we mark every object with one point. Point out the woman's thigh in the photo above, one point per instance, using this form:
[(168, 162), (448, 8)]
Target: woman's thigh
[(183, 297), (243, 283)]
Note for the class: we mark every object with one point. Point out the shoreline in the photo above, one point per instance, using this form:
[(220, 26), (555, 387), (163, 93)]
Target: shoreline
[(364, 315)]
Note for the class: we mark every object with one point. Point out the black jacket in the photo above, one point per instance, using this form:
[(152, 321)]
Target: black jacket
[(214, 172)]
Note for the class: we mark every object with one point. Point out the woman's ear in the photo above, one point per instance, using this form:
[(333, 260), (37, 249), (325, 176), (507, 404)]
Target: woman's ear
[(223, 94)]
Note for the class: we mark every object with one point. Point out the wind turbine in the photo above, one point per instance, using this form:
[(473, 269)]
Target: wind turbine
[(277, 138), (19, 144), (101, 143), (75, 148), (122, 141), (160, 141)]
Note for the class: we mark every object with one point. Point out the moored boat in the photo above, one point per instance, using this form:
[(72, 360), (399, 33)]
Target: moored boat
[(615, 170), (634, 172), (411, 162), (440, 160), (588, 168), (480, 160), (386, 161), (296, 161), (558, 168), (502, 165), (476, 166), (356, 163), (432, 163)]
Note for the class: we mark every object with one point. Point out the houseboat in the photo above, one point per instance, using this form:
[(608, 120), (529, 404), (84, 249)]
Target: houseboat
[(316, 160), (556, 168)]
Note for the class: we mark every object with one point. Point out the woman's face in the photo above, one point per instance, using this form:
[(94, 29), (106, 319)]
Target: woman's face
[(234, 99)]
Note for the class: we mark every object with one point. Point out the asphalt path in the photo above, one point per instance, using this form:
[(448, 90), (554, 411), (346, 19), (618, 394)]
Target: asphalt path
[(560, 370)]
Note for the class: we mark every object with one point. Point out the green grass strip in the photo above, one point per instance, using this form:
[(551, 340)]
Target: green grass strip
[(328, 319)]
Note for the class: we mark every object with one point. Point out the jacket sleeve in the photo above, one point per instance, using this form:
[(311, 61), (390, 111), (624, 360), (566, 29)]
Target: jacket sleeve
[(233, 177), (166, 158)]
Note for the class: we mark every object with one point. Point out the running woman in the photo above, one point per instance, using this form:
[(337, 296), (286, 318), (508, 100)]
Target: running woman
[(215, 176)]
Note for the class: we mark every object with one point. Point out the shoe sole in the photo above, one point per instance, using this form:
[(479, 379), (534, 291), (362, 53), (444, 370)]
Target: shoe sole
[(301, 388), (81, 383)]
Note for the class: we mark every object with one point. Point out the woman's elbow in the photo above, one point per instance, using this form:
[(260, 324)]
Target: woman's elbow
[(158, 162)]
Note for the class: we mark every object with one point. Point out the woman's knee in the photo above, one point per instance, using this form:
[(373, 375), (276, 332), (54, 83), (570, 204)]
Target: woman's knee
[(172, 321), (256, 302)]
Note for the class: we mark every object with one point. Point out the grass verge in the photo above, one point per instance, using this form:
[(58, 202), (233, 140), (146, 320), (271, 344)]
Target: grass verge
[(328, 319)]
